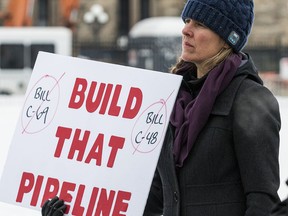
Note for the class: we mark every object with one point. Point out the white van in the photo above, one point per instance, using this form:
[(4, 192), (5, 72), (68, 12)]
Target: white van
[(155, 43), (19, 47)]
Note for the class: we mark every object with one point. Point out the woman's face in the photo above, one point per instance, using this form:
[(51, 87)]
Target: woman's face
[(199, 43)]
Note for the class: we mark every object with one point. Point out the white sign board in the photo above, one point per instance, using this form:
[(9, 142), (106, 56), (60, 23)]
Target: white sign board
[(89, 132)]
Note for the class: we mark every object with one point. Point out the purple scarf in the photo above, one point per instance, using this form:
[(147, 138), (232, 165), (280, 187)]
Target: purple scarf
[(189, 115)]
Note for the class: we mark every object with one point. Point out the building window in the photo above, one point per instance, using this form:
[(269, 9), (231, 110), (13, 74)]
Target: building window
[(12, 56), (35, 48)]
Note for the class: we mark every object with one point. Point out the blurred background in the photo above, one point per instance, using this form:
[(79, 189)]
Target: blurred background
[(139, 33)]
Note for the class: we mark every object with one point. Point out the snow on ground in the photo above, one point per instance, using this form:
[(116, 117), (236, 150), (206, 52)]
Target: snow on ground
[(9, 112), (283, 157)]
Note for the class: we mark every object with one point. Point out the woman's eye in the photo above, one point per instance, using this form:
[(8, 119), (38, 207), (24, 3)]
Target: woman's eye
[(199, 24), (187, 20)]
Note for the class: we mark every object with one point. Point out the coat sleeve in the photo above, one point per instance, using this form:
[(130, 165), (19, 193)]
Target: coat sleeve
[(281, 209), (256, 127), (154, 204)]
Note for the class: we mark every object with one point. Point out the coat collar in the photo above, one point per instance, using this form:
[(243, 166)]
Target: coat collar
[(224, 102)]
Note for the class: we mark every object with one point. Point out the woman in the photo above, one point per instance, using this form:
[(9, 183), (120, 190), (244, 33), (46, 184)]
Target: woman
[(220, 154)]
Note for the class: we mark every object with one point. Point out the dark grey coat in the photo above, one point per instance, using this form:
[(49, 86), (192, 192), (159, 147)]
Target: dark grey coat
[(232, 169)]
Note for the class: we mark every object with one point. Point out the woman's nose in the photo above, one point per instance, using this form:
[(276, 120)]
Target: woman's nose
[(187, 30)]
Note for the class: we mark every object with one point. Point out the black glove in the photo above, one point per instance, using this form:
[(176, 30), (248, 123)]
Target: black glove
[(53, 207)]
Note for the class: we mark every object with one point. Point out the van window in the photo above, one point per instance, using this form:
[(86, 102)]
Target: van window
[(12, 56), (19, 48), (35, 48)]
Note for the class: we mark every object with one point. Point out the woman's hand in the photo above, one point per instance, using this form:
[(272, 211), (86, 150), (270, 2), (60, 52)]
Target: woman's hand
[(53, 207)]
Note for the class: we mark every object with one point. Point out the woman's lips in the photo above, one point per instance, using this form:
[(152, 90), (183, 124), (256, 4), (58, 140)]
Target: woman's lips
[(186, 44)]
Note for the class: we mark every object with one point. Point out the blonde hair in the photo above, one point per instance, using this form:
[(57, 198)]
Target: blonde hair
[(208, 64)]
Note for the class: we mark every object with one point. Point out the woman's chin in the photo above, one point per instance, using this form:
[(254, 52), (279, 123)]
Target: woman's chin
[(183, 57), (186, 57)]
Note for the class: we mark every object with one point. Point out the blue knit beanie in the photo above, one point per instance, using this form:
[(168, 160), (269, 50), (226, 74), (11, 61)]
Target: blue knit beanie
[(230, 19)]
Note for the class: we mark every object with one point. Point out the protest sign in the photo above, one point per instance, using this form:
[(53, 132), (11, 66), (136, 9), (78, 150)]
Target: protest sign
[(89, 132)]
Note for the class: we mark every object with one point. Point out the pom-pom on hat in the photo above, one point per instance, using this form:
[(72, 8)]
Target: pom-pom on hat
[(230, 19)]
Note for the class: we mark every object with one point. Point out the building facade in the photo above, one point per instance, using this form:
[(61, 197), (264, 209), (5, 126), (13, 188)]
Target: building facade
[(101, 23), (270, 21)]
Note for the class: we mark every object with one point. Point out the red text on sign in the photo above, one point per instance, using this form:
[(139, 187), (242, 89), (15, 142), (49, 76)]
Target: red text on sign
[(102, 201), (102, 97), (79, 146)]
